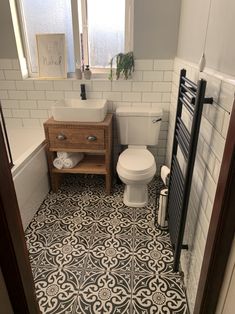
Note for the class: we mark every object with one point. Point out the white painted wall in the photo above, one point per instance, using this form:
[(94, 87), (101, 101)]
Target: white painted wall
[(156, 25), (7, 38), (219, 42)]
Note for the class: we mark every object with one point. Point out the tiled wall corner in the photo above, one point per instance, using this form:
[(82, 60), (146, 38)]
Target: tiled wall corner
[(213, 131), (27, 103)]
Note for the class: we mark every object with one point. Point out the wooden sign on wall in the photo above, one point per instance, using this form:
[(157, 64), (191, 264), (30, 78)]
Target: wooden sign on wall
[(51, 55)]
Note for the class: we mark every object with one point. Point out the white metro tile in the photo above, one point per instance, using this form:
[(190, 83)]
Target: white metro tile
[(56, 95), (17, 94), (46, 104), (13, 75), (2, 77), (216, 171), (14, 123), (7, 113), (167, 77), (95, 95), (151, 97), (101, 86), (5, 64), (142, 86), (215, 114), (39, 113), (166, 65), (143, 65), (31, 123), (161, 87), (166, 97), (137, 76), (153, 76), (24, 85), (118, 86), (28, 104), (225, 124), (8, 103), (43, 85), (131, 97), (63, 85), (20, 113), (212, 87), (115, 96), (141, 104), (212, 138), (34, 95), (226, 97), (3, 94), (15, 64), (7, 85), (117, 104)]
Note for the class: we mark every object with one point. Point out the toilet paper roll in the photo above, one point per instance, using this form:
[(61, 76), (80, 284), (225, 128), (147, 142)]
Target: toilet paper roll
[(161, 219), (165, 174)]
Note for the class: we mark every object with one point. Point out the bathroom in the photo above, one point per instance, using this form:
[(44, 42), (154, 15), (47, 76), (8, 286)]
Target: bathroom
[(165, 37)]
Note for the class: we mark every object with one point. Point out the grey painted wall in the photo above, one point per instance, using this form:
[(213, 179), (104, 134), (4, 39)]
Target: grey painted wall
[(7, 37), (219, 43), (156, 24)]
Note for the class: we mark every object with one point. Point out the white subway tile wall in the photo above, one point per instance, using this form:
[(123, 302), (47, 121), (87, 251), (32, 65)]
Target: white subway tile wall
[(213, 131), (27, 103)]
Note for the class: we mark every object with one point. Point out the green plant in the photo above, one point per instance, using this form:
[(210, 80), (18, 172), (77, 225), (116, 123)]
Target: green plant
[(125, 65)]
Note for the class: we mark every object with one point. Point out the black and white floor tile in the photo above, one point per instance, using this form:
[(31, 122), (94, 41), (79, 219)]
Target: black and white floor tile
[(92, 254)]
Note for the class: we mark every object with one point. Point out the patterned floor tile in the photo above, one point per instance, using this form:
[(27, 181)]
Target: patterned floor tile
[(92, 254)]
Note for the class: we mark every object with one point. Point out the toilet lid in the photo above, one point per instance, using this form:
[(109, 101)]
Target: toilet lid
[(136, 160)]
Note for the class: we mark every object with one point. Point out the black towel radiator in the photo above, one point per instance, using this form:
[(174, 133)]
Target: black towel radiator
[(192, 97)]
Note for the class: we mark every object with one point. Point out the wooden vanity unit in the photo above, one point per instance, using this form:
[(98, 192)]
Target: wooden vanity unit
[(94, 139)]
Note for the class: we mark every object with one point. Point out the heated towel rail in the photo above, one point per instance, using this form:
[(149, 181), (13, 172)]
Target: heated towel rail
[(192, 97)]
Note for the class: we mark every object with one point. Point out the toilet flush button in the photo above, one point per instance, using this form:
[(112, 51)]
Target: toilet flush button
[(156, 120)]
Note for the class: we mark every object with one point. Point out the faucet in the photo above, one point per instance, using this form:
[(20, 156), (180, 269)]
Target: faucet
[(83, 92)]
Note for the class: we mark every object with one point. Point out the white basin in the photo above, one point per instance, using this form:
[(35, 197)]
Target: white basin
[(89, 110)]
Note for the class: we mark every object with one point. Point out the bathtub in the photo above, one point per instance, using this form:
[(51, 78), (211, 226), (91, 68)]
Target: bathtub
[(30, 173)]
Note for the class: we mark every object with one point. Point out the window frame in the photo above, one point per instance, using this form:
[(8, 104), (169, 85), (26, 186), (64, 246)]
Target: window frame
[(128, 35)]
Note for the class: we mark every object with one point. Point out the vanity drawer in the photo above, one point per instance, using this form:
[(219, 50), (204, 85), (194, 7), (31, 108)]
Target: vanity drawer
[(76, 138)]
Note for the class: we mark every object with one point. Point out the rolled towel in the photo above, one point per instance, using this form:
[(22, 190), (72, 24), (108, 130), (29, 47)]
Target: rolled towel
[(64, 155), (58, 163), (73, 160)]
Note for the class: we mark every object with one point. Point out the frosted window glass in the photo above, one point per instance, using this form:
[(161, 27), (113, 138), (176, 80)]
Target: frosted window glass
[(106, 25), (48, 16)]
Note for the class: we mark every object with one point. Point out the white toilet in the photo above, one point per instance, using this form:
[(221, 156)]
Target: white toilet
[(137, 128)]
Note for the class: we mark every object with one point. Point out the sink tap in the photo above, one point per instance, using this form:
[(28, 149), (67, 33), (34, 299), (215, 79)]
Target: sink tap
[(83, 92)]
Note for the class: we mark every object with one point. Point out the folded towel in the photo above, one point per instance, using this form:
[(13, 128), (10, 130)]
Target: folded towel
[(58, 163), (73, 160), (64, 155)]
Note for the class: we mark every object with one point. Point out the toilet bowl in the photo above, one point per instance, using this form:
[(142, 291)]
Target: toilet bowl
[(136, 167)]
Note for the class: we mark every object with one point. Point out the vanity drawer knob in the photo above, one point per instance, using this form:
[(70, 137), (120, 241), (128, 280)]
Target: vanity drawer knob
[(61, 137), (91, 138)]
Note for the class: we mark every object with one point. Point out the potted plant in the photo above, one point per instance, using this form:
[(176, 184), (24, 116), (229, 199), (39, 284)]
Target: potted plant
[(125, 65)]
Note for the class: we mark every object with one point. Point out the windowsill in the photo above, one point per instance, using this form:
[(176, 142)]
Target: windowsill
[(104, 76)]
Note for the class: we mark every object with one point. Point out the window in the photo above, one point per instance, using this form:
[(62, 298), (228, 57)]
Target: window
[(95, 30)]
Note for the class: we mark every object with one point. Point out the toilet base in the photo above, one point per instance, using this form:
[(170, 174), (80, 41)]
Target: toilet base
[(135, 195)]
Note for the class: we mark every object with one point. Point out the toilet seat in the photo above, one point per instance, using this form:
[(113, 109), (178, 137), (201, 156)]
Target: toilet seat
[(136, 164)]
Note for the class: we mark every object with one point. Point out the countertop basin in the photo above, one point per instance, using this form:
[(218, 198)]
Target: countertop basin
[(89, 110)]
